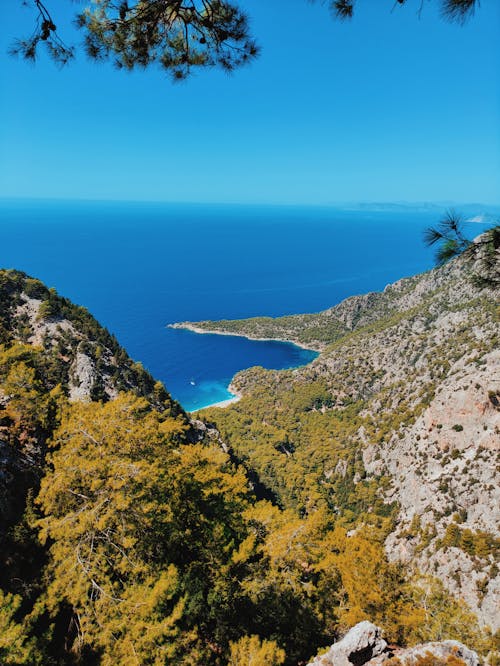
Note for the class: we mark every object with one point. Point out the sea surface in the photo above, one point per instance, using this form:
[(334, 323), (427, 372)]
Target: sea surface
[(140, 266)]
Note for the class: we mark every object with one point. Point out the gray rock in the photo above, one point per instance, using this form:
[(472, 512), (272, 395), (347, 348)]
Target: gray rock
[(440, 651), (84, 375), (361, 644)]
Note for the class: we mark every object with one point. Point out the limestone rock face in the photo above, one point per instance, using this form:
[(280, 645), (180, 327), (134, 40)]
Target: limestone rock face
[(364, 645), (440, 652), (359, 646), (443, 463), (84, 373)]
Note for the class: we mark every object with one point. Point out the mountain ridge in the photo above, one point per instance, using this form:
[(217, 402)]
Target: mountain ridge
[(318, 330)]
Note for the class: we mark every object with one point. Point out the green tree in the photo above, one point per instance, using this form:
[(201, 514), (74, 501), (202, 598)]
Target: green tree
[(453, 10), (15, 647), (141, 528), (444, 617), (178, 35), (251, 651), (449, 236), (483, 252), (452, 535)]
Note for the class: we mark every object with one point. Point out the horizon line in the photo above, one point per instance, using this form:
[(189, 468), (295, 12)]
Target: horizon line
[(331, 204)]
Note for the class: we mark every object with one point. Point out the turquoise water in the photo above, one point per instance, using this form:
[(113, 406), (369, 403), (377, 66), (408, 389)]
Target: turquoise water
[(213, 359), (138, 267)]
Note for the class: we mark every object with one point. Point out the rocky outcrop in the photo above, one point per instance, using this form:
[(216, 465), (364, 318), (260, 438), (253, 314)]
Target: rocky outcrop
[(364, 645), (83, 373), (86, 360), (451, 653), (359, 646)]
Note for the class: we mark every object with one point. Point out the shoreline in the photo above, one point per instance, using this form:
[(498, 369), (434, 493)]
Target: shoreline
[(236, 397), (220, 405), (204, 331)]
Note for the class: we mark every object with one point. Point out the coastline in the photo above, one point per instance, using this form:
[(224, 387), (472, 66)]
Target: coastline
[(222, 403), (236, 395), (203, 331)]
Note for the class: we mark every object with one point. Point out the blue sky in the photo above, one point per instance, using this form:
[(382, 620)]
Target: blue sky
[(384, 108)]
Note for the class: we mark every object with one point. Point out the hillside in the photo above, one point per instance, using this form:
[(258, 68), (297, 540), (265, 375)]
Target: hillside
[(54, 345), (132, 534), (80, 355), (319, 330), (396, 423)]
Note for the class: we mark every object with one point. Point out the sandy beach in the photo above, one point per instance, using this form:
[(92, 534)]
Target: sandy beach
[(221, 404)]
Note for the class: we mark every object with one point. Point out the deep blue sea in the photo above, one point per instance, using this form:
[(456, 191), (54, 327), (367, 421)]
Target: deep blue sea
[(140, 266)]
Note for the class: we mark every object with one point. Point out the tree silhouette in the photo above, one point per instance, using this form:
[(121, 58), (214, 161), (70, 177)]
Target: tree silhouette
[(452, 10), (177, 35), (449, 236), (483, 252)]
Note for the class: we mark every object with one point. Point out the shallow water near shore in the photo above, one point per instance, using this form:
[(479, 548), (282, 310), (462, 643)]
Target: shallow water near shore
[(139, 267), (204, 390)]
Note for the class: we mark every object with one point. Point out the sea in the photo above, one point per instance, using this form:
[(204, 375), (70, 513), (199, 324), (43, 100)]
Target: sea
[(138, 267)]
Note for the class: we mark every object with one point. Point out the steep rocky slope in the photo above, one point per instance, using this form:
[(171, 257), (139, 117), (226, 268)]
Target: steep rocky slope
[(86, 359), (401, 407)]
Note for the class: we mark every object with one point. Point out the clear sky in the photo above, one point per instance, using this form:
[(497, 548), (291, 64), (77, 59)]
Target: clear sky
[(384, 108)]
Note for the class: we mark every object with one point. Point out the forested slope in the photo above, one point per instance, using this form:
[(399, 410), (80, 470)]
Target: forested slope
[(133, 535), (396, 424)]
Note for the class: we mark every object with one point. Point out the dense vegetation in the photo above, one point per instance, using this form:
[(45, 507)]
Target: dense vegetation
[(131, 537)]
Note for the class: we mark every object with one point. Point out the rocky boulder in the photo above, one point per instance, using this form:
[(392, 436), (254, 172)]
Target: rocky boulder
[(363, 645), (451, 653)]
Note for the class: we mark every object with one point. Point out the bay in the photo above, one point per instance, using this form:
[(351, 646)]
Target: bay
[(140, 266)]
